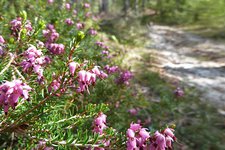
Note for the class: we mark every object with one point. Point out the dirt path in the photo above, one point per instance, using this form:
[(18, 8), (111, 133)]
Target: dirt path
[(194, 60)]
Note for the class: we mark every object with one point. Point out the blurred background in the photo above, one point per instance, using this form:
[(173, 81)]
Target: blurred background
[(176, 45), (173, 47)]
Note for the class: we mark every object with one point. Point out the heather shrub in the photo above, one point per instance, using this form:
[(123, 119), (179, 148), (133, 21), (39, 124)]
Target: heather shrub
[(61, 87)]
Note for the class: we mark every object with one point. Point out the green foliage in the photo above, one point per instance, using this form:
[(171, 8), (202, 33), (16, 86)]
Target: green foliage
[(62, 118), (192, 117)]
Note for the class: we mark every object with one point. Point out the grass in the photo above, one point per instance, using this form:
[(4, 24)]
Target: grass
[(198, 124)]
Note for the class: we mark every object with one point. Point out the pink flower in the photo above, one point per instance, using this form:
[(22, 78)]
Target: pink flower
[(88, 14), (144, 134), (112, 69), (34, 60), (68, 6), (130, 133), (80, 26), (132, 144), (92, 32), (105, 52), (75, 12), (103, 75), (169, 132), (160, 140), (86, 5), (99, 123), (69, 22), (135, 127), (124, 77), (96, 71), (28, 26), (169, 141), (54, 85), (40, 44), (10, 92), (100, 44), (179, 92), (2, 40), (50, 34), (16, 24), (50, 1), (56, 49), (85, 79), (133, 111), (81, 75), (72, 67), (137, 137)]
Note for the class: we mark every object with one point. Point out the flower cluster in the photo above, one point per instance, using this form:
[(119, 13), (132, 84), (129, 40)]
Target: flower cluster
[(73, 66), (102, 45), (80, 25), (87, 78), (50, 1), (137, 137), (74, 12), (124, 77), (105, 51), (16, 26), (163, 140), (10, 92), (178, 92), (68, 6), (112, 69), (133, 111), (93, 32), (34, 61), (56, 49), (99, 126), (51, 36), (100, 123), (55, 85), (88, 14), (69, 22), (99, 73), (87, 5)]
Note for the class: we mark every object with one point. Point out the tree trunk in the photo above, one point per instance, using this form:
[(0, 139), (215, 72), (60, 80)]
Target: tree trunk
[(143, 4), (104, 6), (136, 6), (126, 6)]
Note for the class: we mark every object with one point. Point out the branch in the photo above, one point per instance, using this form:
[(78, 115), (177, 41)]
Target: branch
[(9, 63)]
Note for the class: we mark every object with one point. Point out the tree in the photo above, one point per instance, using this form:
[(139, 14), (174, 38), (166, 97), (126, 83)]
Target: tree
[(126, 6), (103, 6)]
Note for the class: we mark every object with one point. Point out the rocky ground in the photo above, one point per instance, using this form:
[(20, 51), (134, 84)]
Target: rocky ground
[(192, 59)]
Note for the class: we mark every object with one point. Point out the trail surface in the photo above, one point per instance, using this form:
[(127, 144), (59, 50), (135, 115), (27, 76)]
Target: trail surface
[(196, 61)]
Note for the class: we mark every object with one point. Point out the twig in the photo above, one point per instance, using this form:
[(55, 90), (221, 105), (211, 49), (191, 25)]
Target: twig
[(24, 114), (18, 72), (71, 144), (8, 65)]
